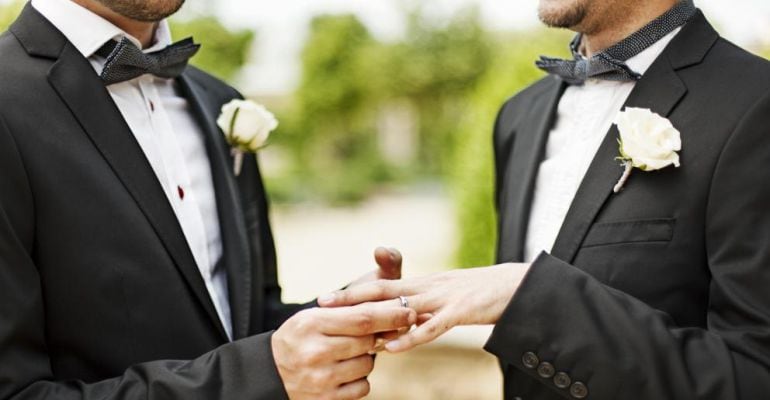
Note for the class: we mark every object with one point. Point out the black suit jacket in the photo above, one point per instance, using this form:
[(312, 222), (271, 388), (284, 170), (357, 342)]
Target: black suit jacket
[(661, 291), (97, 282)]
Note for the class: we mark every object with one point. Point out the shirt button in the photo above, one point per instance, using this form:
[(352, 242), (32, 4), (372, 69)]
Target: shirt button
[(152, 106), (546, 370), (530, 360), (578, 390), (562, 380)]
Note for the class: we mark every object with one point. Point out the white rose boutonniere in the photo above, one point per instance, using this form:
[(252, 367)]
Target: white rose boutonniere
[(647, 141), (247, 126)]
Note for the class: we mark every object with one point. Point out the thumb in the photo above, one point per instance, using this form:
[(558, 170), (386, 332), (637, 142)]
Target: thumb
[(389, 261)]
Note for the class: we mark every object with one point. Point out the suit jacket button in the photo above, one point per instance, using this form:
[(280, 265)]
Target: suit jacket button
[(546, 370), (562, 380), (578, 390), (530, 360)]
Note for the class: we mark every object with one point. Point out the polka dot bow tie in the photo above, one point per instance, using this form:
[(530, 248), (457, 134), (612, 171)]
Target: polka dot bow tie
[(611, 63), (125, 61)]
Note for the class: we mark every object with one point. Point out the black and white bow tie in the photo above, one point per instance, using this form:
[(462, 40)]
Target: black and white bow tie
[(610, 64), (125, 61)]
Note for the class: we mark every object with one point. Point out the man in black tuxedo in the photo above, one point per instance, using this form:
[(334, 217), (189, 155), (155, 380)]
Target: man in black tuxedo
[(656, 291), (134, 263)]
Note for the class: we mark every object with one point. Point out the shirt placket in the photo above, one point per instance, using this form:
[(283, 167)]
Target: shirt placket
[(178, 189), (177, 182)]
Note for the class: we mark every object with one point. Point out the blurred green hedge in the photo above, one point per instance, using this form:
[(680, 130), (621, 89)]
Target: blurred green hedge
[(472, 178)]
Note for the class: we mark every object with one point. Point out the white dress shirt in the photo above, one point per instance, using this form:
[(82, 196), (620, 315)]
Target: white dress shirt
[(168, 134), (583, 118)]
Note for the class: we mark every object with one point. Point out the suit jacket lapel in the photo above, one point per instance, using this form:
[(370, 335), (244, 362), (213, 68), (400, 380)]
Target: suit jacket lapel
[(235, 258), (660, 90), (521, 172), (73, 78)]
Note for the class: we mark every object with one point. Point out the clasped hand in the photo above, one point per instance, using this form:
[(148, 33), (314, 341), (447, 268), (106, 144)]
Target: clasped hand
[(325, 353)]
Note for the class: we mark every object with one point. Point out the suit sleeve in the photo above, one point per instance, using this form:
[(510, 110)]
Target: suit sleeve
[(238, 370), (621, 348)]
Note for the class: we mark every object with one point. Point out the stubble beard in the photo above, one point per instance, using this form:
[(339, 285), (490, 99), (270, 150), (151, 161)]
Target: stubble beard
[(144, 10), (562, 13)]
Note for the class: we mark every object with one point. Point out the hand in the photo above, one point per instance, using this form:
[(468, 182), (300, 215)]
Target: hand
[(389, 267), (323, 353), (462, 297)]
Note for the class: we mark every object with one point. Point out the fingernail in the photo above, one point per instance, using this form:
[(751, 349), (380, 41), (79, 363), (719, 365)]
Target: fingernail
[(392, 253), (379, 345), (393, 346), (326, 299)]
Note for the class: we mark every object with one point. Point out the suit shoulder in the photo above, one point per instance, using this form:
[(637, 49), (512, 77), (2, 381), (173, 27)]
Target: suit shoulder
[(213, 84), (21, 75), (740, 65), (521, 100), (11, 49)]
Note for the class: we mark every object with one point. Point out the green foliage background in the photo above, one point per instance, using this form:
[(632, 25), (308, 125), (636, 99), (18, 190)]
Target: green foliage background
[(472, 174), (223, 51), (349, 77), (9, 12)]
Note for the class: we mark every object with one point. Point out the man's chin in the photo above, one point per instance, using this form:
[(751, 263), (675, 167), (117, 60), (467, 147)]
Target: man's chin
[(562, 13), (137, 11)]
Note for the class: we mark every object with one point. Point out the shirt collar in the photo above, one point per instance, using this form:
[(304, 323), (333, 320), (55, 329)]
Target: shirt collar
[(70, 18), (641, 62)]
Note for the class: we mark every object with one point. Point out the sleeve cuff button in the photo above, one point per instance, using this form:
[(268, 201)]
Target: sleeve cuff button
[(530, 360), (562, 380), (578, 390), (546, 370)]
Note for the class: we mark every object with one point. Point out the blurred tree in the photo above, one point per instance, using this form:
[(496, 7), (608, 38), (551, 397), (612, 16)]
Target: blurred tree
[(437, 68), (223, 51), (334, 139), (8, 13), (349, 80), (472, 174)]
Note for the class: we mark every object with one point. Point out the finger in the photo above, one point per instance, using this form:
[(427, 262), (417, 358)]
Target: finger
[(392, 335), (379, 345), (421, 304), (340, 348), (353, 390), (366, 292), (384, 338), (389, 261), (364, 320), (353, 369), (425, 333), (423, 318)]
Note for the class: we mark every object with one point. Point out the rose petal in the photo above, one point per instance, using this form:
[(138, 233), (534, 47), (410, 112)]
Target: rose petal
[(649, 140)]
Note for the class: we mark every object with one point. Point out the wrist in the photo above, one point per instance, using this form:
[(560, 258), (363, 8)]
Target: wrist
[(512, 276)]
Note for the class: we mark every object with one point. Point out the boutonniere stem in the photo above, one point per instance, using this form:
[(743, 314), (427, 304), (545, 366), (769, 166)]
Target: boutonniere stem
[(627, 169)]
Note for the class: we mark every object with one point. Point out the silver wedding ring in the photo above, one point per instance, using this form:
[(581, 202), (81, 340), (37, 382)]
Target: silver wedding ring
[(404, 301)]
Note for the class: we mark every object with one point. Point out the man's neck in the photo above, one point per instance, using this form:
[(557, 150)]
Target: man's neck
[(603, 34), (142, 31)]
